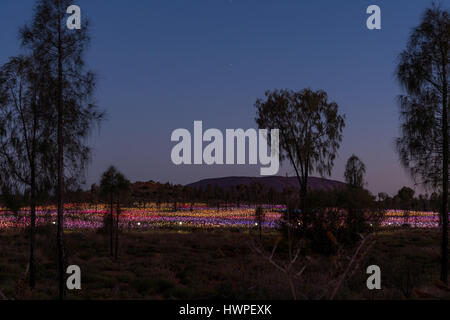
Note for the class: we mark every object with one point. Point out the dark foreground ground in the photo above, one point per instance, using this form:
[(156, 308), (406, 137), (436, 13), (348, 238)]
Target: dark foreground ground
[(218, 265)]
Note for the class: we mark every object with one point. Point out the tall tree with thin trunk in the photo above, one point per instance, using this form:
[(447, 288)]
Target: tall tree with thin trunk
[(423, 71), (112, 185), (26, 145), (108, 189), (48, 37), (123, 186), (310, 131)]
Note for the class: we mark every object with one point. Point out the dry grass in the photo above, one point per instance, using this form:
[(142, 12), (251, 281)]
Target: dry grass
[(213, 265)]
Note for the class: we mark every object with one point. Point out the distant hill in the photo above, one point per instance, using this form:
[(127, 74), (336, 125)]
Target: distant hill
[(277, 182)]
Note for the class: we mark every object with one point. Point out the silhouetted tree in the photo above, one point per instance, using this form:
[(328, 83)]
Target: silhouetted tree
[(26, 136), (48, 37), (310, 131), (108, 189), (405, 197), (357, 200), (435, 203), (123, 186), (422, 71), (355, 170), (111, 185)]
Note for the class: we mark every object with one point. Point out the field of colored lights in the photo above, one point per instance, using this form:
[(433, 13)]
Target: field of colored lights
[(91, 217)]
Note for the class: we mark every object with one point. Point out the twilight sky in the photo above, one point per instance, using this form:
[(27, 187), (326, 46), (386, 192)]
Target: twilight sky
[(164, 63)]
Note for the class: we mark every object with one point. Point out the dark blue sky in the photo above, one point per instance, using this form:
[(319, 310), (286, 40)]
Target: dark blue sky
[(164, 63)]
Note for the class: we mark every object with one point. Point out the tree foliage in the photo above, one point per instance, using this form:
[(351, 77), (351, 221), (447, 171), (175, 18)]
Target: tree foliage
[(355, 170), (71, 94), (423, 72), (51, 42), (310, 130), (26, 139), (27, 130), (113, 185)]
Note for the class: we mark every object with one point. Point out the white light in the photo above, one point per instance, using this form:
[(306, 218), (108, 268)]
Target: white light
[(139, 223)]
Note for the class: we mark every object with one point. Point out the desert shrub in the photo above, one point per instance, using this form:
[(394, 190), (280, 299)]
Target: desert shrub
[(405, 276), (323, 232), (363, 214)]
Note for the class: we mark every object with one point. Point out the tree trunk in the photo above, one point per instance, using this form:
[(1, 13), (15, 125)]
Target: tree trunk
[(33, 202), (111, 227), (304, 201), (32, 229), (60, 187), (444, 211), (116, 255), (303, 208)]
